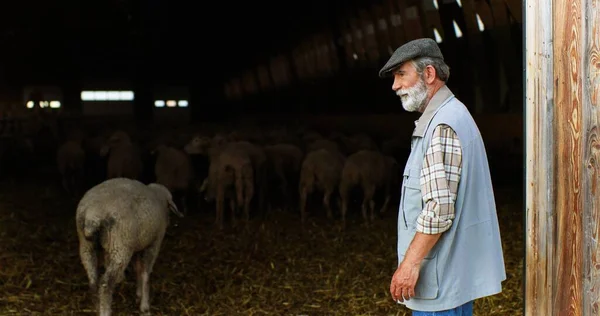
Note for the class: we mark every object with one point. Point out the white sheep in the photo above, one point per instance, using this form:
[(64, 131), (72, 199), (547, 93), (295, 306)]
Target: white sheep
[(370, 170), (173, 169), (321, 170), (124, 157), (127, 219)]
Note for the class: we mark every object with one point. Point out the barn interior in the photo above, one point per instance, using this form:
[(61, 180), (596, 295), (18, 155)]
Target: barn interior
[(168, 73)]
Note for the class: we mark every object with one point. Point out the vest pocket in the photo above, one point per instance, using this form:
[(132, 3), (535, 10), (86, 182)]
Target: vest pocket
[(427, 287), (412, 198)]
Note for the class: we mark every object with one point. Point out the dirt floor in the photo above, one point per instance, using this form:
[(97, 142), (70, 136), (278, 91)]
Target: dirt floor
[(268, 267)]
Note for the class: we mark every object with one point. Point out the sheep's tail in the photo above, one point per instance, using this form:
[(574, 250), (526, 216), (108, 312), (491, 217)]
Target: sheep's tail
[(90, 228), (92, 225)]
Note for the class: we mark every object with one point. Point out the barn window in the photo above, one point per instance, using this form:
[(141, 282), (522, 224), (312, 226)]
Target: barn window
[(438, 37), (171, 103), (457, 30), (44, 104), (480, 23), (107, 95)]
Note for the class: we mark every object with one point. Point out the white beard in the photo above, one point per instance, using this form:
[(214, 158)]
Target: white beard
[(414, 97)]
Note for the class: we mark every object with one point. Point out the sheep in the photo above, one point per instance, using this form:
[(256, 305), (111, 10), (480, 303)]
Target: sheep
[(128, 220), (371, 170), (285, 161), (353, 143), (231, 167), (321, 169), (70, 158), (173, 169), (324, 144), (124, 158)]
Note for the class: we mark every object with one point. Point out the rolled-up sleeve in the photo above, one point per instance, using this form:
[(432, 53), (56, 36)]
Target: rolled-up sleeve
[(440, 176)]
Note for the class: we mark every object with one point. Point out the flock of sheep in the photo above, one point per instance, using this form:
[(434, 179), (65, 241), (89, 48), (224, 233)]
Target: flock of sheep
[(128, 187)]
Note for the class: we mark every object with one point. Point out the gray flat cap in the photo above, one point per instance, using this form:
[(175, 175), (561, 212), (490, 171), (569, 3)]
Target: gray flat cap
[(422, 47)]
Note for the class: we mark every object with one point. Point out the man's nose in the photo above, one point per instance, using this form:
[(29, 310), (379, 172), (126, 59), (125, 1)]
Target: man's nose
[(396, 85)]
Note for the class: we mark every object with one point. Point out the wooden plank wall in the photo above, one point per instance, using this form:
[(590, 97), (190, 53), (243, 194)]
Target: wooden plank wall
[(563, 157), (590, 74)]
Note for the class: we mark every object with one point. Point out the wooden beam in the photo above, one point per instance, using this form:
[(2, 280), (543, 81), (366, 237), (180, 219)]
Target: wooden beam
[(383, 35), (590, 37), (568, 94), (515, 8), (371, 46), (395, 23), (412, 22), (540, 159), (431, 18)]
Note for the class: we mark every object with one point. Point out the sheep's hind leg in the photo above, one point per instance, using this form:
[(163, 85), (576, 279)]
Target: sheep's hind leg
[(114, 271), (148, 258), (89, 259)]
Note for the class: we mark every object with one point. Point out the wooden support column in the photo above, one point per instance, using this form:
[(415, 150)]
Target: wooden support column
[(590, 37), (563, 157)]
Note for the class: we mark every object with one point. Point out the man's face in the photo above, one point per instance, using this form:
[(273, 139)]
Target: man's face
[(410, 87)]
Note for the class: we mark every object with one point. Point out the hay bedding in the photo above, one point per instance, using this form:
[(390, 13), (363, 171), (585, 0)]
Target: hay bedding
[(270, 267)]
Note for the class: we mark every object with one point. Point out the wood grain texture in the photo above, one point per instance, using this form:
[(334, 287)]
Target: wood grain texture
[(591, 195), (539, 139), (569, 111)]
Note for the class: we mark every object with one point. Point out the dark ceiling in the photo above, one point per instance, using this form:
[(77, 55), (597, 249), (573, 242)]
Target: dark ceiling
[(170, 40)]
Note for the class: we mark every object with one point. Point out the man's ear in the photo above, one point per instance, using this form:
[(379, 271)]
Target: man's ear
[(430, 74)]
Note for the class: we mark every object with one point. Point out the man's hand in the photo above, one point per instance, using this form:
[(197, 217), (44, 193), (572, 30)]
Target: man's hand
[(404, 281)]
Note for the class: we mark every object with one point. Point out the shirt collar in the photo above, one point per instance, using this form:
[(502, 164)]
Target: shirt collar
[(438, 99)]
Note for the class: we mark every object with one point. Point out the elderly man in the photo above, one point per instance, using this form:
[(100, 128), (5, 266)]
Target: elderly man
[(449, 248)]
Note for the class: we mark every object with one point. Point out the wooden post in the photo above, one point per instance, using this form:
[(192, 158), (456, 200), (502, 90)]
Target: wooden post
[(563, 157), (590, 53), (539, 139), (569, 111)]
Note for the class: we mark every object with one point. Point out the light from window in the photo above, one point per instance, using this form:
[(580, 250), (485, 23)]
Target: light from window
[(435, 4), (457, 30), (438, 37), (159, 103), (480, 23), (183, 103), (107, 95), (459, 2), (44, 104), (171, 103)]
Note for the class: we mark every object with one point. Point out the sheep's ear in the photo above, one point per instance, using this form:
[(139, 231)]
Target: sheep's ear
[(173, 208)]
